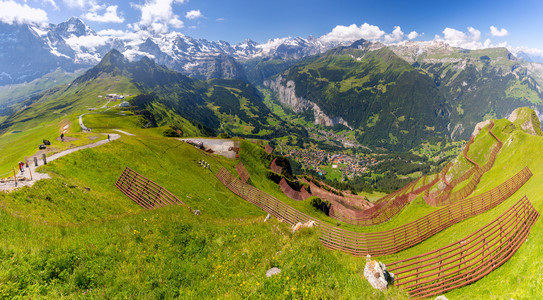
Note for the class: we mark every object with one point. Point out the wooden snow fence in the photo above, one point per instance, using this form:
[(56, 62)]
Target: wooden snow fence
[(377, 214), (469, 259), (476, 172), (274, 167), (385, 242), (143, 191), (300, 195), (268, 149), (347, 200), (242, 172)]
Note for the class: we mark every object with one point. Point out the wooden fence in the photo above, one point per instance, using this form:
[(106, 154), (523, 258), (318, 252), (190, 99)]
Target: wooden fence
[(475, 173), (274, 167), (385, 242), (377, 214), (143, 191), (348, 200), (242, 172), (302, 194), (469, 259)]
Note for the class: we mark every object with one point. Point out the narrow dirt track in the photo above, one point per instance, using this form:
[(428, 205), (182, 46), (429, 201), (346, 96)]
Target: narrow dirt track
[(30, 172)]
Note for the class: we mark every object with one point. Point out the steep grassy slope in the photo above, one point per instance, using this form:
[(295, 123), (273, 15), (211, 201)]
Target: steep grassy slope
[(519, 273), (520, 149), (67, 241)]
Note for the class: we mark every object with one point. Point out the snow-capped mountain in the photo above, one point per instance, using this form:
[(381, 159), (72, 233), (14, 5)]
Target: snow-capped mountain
[(30, 51)]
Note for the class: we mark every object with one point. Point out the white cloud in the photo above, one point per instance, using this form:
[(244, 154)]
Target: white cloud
[(220, 19), (466, 40), (50, 2), (87, 41), (110, 15), (193, 14), (130, 37), (457, 38), (342, 33), (475, 35), (112, 32), (413, 35), (79, 3), (530, 51), (395, 36), (158, 15), (12, 12), (499, 33)]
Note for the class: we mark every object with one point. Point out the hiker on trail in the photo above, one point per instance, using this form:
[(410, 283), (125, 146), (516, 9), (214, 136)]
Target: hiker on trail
[(108, 137), (62, 136), (21, 167)]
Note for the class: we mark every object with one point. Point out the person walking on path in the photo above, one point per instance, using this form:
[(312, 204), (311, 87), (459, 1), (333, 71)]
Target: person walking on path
[(62, 136), (21, 167), (108, 137)]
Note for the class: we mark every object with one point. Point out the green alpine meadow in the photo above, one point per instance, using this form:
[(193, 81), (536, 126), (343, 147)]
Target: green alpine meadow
[(151, 150)]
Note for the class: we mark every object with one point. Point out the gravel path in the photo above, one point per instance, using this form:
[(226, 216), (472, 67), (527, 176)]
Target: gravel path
[(124, 132), (30, 176), (30, 172)]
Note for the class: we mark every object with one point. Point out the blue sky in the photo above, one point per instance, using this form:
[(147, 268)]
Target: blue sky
[(461, 23)]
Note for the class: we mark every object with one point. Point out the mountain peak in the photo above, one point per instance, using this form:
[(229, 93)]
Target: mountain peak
[(114, 63), (113, 57), (73, 27)]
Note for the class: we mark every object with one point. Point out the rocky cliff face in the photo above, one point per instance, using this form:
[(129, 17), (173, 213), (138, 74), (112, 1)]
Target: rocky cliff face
[(287, 96), (221, 66)]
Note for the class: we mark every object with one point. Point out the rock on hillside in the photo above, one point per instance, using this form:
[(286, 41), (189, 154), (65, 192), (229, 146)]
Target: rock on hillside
[(527, 120)]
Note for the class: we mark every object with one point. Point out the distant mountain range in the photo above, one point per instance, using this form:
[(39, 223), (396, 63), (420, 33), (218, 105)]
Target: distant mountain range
[(30, 51)]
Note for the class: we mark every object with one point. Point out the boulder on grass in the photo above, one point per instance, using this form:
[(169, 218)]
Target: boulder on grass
[(377, 275), (273, 271)]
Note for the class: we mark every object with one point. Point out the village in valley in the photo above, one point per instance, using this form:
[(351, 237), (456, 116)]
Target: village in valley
[(325, 163)]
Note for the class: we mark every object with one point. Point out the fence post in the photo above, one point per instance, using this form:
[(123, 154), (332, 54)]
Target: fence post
[(44, 159), (35, 161)]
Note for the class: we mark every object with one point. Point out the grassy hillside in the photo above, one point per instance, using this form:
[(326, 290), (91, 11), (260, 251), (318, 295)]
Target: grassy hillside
[(77, 236)]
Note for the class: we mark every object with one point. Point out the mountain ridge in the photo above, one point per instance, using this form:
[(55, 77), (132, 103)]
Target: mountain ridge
[(73, 44)]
